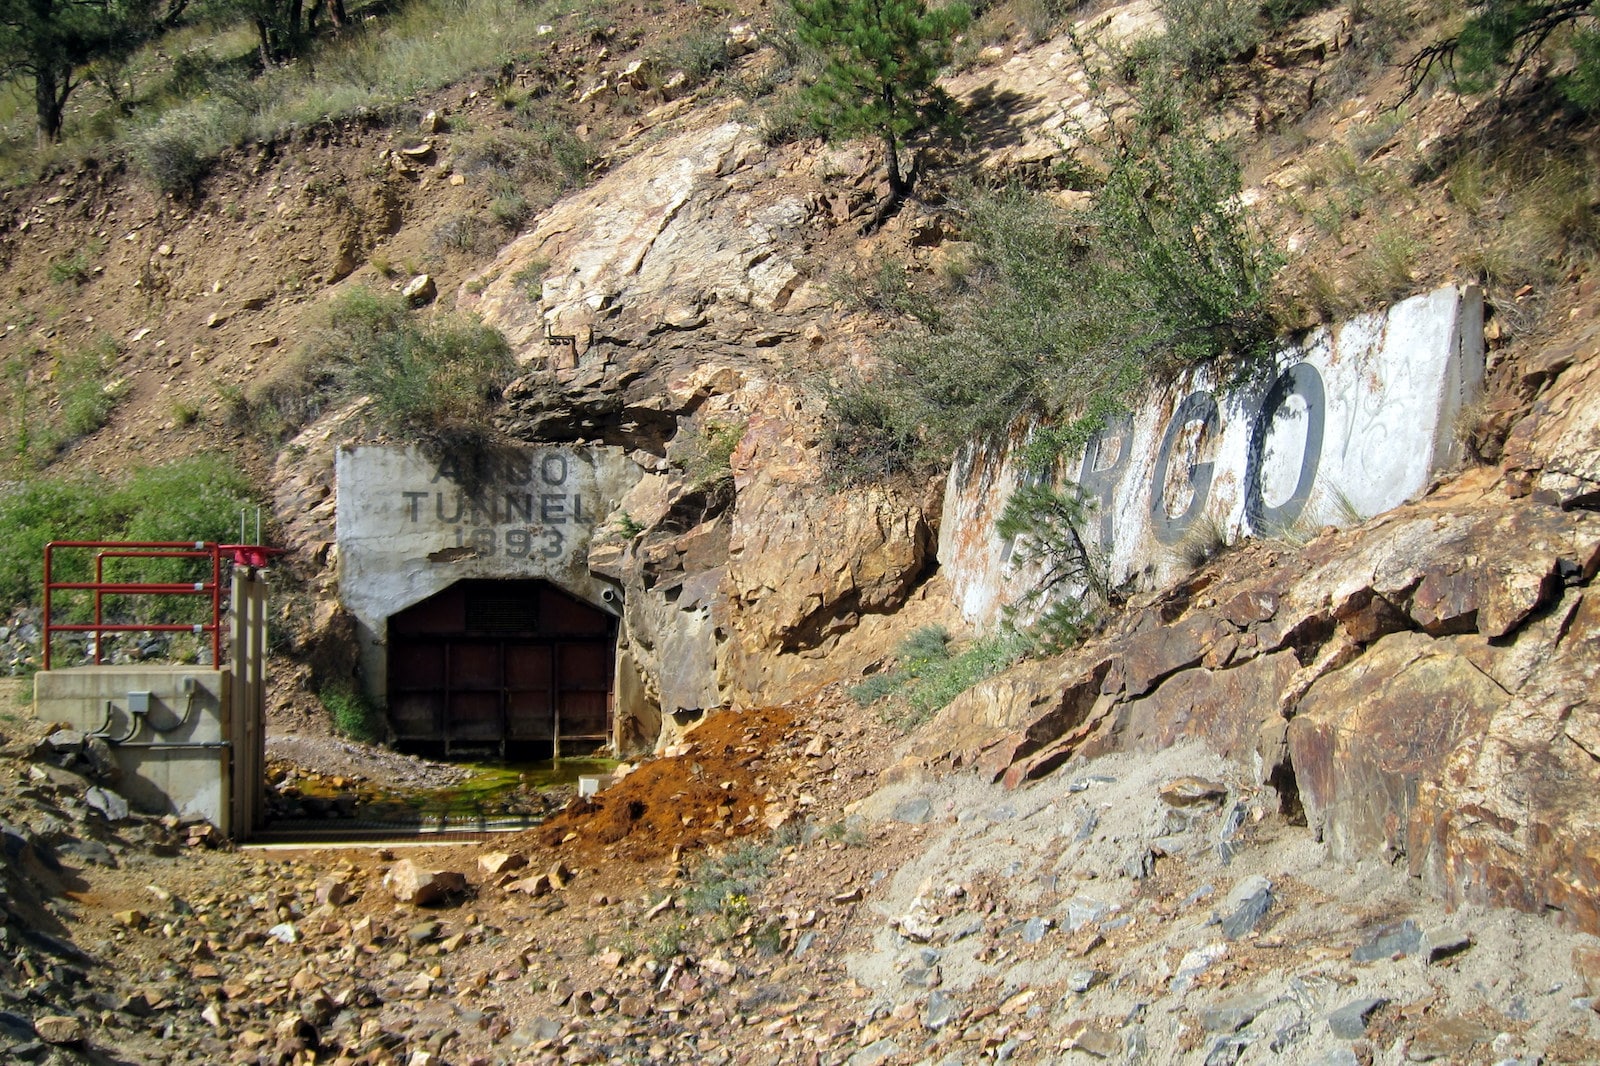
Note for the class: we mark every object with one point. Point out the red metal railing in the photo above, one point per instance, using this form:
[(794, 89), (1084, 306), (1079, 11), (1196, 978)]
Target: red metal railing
[(101, 588)]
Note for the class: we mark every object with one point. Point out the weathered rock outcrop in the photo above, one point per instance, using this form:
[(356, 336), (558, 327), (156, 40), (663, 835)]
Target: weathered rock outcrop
[(1419, 688), (661, 320)]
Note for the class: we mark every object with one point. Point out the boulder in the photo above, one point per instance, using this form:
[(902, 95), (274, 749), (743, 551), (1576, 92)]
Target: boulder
[(59, 1029), (110, 804), (493, 864), (409, 883), (420, 290), (1366, 735)]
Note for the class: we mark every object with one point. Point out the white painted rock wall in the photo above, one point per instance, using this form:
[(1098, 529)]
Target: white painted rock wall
[(1355, 421), (406, 528)]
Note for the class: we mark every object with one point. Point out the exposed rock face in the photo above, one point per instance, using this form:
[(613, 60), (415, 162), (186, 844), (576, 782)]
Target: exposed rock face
[(1365, 736), (697, 242), (1513, 816), (1555, 449), (1422, 687), (804, 566), (653, 319)]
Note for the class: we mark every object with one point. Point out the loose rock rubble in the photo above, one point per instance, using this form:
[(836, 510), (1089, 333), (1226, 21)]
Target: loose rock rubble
[(1130, 908)]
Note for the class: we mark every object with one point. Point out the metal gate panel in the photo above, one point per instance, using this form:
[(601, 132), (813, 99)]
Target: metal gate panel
[(474, 710), (416, 715), (475, 716), (584, 686), (492, 662), (530, 692), (417, 690), (567, 616)]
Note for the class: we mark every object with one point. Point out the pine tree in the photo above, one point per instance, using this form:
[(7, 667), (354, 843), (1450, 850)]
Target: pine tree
[(883, 59), (50, 42), (1500, 39)]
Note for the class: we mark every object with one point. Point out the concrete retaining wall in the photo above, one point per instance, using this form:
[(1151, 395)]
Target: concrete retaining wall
[(1352, 422), (167, 727)]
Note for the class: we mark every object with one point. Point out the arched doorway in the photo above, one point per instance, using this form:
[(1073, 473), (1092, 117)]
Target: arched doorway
[(515, 668)]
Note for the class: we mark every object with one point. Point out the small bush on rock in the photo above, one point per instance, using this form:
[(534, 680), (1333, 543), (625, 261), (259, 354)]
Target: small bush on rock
[(353, 714), (431, 379)]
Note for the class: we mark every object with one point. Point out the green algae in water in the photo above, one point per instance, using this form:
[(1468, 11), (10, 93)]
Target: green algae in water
[(489, 785)]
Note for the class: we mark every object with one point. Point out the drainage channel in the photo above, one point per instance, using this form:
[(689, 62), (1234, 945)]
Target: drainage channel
[(443, 829), (320, 811)]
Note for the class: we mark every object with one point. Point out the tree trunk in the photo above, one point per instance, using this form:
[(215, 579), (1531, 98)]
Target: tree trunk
[(50, 100), (264, 36), (281, 32), (897, 184)]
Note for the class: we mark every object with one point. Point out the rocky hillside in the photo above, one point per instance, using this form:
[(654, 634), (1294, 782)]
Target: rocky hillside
[(1329, 799)]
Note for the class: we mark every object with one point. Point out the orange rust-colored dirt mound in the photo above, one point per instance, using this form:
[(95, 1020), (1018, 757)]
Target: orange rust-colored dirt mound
[(711, 792)]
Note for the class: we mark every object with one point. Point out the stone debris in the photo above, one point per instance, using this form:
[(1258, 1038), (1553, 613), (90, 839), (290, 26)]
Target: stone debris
[(1441, 943), (59, 1029), (1350, 1021), (1393, 941), (1193, 791), (409, 883), (328, 958), (1245, 906), (493, 864), (420, 290)]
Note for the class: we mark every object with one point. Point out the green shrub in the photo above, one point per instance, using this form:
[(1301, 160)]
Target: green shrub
[(1048, 528), (530, 279), (724, 883), (1204, 35), (950, 677), (869, 436), (701, 53), (510, 210), (87, 392), (927, 674), (74, 269), (189, 500), (171, 157), (539, 148), (51, 411), (37, 511), (465, 234), (787, 118), (426, 379), (353, 714), (707, 460), (1063, 315)]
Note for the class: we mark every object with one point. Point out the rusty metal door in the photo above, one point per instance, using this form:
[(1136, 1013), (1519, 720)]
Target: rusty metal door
[(498, 665)]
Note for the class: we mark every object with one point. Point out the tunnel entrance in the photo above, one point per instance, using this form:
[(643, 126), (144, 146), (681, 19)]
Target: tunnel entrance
[(516, 669)]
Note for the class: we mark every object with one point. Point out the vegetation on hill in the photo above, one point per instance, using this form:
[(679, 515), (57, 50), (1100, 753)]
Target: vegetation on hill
[(54, 44), (1501, 38), (177, 101), (1063, 314), (430, 378), (1072, 290), (188, 500)]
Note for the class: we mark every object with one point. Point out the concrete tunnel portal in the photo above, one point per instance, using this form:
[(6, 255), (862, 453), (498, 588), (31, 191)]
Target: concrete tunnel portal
[(481, 629)]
